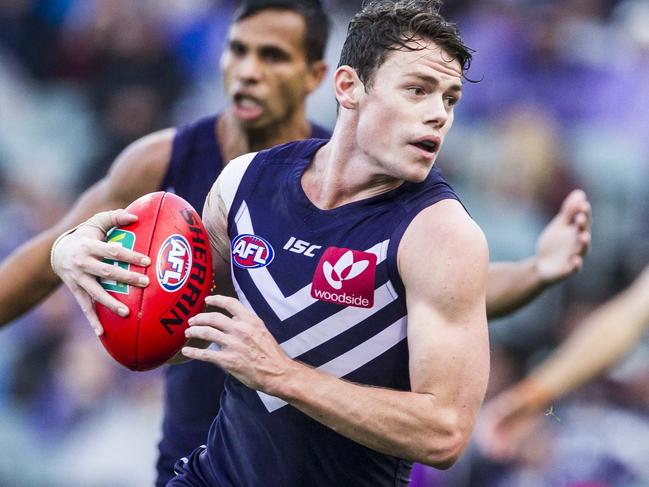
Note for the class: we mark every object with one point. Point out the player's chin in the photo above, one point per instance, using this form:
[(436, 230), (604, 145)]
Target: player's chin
[(260, 121), (418, 172), (252, 124)]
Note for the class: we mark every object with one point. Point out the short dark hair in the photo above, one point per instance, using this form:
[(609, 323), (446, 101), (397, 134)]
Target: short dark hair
[(383, 26), (316, 21)]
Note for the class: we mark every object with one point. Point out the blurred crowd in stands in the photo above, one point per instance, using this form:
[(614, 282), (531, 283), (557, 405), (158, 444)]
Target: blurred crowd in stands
[(561, 101)]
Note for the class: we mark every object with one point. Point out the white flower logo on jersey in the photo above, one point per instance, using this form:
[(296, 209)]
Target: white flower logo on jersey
[(343, 270)]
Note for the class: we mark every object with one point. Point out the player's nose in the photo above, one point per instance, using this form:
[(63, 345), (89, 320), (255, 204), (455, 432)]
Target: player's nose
[(249, 69), (436, 112)]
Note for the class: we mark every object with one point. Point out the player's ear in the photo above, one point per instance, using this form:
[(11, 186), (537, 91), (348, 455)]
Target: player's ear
[(315, 74), (347, 87)]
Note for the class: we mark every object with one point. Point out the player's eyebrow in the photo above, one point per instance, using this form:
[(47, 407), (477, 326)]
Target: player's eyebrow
[(273, 51), (455, 87)]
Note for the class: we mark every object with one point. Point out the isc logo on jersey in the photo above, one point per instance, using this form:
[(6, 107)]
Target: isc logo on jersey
[(251, 252), (345, 277), (174, 263)]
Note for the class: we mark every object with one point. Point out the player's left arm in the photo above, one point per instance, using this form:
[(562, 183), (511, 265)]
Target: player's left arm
[(448, 344), (215, 219), (561, 248)]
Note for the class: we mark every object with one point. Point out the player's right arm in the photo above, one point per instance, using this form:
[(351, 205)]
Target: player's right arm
[(138, 170)]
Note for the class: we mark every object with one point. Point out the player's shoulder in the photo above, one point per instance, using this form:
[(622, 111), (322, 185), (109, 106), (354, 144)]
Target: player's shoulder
[(450, 216), (443, 232), (234, 170), (290, 152), (226, 185), (443, 256)]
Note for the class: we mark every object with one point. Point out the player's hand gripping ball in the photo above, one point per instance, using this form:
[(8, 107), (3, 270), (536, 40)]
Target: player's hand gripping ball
[(171, 233)]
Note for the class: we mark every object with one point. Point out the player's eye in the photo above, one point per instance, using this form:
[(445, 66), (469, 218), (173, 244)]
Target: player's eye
[(238, 49), (416, 90), (452, 100)]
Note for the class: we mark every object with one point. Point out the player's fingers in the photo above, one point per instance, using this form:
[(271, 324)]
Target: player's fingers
[(115, 251), (88, 309), (213, 319), (115, 273), (581, 220), (209, 334), (99, 295), (203, 354), (232, 306)]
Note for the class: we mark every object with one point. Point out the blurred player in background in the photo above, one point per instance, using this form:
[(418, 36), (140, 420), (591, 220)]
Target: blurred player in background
[(571, 223), (272, 61), (603, 337)]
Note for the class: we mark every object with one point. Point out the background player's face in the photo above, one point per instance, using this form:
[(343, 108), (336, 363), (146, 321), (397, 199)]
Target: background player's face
[(267, 77), (407, 111)]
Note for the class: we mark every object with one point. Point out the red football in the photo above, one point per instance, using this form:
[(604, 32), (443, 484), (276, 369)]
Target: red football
[(171, 233)]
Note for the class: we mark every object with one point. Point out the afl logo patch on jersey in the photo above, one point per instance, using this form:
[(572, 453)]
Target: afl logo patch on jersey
[(174, 263), (251, 252), (345, 277)]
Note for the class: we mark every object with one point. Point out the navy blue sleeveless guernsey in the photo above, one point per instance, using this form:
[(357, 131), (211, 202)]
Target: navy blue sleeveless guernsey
[(326, 284), (192, 390)]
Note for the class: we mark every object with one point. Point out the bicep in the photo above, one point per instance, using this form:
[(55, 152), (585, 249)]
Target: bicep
[(448, 357), (443, 260)]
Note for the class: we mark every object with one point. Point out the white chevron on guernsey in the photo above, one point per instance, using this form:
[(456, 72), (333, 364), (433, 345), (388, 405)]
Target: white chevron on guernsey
[(287, 306), (336, 324), (231, 177), (328, 328), (352, 359)]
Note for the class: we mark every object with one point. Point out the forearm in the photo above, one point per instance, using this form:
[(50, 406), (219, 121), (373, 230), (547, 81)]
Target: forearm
[(603, 338), (408, 425), (27, 276), (511, 285)]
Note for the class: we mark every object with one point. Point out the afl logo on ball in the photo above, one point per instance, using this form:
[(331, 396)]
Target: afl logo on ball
[(174, 263), (251, 252)]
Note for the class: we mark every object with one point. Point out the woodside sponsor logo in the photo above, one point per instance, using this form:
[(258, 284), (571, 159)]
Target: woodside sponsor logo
[(345, 277)]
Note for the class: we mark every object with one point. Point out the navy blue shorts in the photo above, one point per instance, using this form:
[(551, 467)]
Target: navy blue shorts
[(192, 471)]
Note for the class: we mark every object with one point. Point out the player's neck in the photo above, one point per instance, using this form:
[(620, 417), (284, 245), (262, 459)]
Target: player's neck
[(340, 174), (236, 140)]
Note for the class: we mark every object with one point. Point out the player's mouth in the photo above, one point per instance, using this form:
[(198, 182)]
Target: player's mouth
[(246, 107), (427, 145)]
